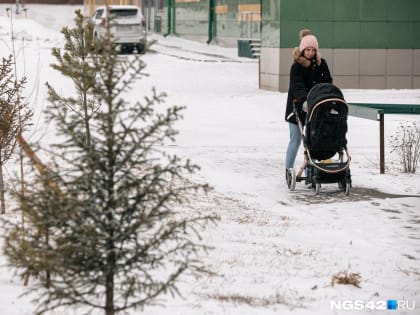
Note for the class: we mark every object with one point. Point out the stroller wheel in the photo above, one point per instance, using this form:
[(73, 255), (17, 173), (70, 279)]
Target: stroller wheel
[(347, 188), (316, 187), (291, 178), (344, 186)]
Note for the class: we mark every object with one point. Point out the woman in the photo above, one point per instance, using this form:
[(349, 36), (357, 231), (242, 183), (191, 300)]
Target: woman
[(307, 70)]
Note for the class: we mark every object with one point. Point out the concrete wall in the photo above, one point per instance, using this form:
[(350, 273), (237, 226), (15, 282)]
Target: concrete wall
[(350, 68)]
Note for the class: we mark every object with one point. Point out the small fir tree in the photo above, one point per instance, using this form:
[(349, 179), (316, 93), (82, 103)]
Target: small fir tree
[(118, 233), (75, 63)]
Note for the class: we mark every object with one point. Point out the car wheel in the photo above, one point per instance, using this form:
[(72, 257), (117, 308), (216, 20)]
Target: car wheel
[(140, 48)]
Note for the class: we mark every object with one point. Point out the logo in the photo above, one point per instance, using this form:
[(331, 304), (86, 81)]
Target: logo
[(392, 304), (350, 305)]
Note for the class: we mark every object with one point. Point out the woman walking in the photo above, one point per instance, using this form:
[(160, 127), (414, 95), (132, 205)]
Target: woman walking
[(307, 70)]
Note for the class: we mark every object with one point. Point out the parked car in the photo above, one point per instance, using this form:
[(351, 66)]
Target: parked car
[(126, 26)]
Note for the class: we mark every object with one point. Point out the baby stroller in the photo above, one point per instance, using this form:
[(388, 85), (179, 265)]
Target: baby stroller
[(326, 159)]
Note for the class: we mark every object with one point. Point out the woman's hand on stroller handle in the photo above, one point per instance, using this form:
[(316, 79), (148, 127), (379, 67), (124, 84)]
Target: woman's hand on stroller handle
[(300, 106)]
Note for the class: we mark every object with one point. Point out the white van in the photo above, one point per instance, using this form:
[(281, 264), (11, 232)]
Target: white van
[(126, 26)]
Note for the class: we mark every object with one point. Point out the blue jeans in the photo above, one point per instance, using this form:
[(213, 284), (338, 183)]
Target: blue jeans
[(293, 147)]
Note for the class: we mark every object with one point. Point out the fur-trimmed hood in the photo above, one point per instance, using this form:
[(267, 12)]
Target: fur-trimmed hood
[(297, 55)]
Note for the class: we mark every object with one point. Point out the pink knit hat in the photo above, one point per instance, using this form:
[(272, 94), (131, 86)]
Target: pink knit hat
[(307, 40)]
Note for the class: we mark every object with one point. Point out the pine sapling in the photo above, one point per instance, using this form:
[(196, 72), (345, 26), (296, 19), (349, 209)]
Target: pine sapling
[(120, 233)]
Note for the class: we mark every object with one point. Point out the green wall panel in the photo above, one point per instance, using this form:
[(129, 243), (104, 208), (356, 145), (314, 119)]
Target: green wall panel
[(400, 34), (324, 12), (416, 30), (415, 10), (346, 34), (324, 33), (403, 10), (373, 35), (293, 10), (372, 10), (351, 23), (345, 10), (289, 33)]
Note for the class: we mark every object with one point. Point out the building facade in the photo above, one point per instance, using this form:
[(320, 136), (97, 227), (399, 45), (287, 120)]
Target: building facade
[(369, 44)]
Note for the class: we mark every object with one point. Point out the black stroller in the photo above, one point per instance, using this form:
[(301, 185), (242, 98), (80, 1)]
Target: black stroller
[(326, 159)]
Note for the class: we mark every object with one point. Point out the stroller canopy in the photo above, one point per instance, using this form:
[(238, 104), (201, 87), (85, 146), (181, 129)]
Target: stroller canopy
[(321, 92), (326, 121)]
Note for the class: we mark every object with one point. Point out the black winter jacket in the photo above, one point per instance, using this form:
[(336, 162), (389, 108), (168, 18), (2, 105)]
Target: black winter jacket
[(304, 74)]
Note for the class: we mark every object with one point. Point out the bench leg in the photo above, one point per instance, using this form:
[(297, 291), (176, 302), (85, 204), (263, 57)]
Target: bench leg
[(381, 143)]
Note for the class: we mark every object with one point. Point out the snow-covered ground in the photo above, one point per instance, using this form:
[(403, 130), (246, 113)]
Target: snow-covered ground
[(275, 251)]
